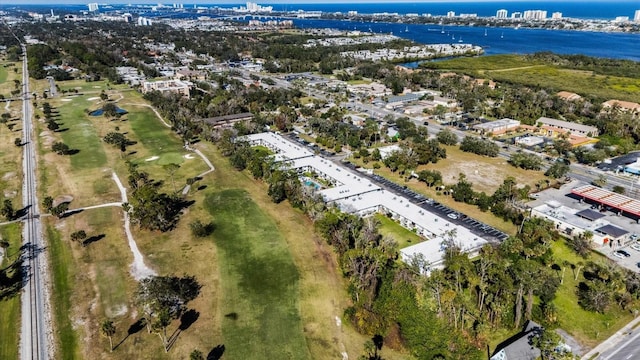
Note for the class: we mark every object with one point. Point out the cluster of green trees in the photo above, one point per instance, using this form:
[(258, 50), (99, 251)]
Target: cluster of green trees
[(526, 161), (38, 55), (502, 203), (162, 299), (479, 146), (148, 207)]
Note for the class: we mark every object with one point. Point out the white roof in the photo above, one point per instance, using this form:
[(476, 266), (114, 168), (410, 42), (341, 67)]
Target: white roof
[(354, 193)]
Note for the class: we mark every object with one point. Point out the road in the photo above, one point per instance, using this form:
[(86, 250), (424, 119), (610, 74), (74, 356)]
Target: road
[(623, 345), (34, 341)]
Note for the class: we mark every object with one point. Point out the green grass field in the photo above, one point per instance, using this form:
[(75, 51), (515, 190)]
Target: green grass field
[(10, 307), (401, 235), (588, 327), (259, 282), (3, 73), (62, 275), (81, 134), (482, 63)]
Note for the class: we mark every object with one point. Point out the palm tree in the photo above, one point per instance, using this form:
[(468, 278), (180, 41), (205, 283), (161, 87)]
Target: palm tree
[(108, 329), (171, 168)]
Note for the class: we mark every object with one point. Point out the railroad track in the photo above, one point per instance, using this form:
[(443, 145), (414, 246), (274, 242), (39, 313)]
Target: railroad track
[(34, 341)]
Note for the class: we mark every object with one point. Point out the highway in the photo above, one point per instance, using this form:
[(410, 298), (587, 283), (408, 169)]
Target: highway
[(34, 341)]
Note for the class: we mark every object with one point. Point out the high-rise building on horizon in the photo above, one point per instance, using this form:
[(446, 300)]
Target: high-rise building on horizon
[(636, 17), (556, 15), (93, 7), (502, 14), (535, 14), (451, 14)]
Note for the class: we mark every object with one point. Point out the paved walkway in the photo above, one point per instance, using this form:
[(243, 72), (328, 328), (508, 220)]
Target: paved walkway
[(616, 338)]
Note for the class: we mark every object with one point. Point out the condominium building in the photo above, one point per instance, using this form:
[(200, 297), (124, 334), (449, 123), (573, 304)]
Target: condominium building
[(636, 17), (535, 14), (502, 14)]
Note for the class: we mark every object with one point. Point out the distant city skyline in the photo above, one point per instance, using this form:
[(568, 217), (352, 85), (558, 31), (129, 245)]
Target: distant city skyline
[(225, 2)]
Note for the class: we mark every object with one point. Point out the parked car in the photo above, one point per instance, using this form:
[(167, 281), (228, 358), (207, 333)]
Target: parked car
[(453, 216), (621, 254), (636, 246)]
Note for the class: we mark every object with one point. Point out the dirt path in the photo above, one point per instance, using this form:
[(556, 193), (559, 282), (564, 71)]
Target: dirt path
[(139, 270), (511, 69)]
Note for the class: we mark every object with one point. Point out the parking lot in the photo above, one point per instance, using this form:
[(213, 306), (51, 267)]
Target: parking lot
[(478, 228), (563, 197)]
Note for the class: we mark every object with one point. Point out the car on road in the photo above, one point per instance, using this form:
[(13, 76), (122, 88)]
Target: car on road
[(453, 216), (636, 246), (621, 254)]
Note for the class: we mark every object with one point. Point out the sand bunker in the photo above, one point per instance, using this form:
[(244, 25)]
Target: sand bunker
[(93, 98), (152, 158), (189, 156), (66, 100)]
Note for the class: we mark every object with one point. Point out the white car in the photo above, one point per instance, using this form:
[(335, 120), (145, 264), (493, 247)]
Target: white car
[(453, 216), (635, 246)]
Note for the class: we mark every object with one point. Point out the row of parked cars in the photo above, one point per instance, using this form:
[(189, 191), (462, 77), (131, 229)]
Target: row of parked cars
[(622, 253)]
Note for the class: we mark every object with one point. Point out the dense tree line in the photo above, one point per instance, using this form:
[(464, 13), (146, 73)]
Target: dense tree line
[(479, 146)]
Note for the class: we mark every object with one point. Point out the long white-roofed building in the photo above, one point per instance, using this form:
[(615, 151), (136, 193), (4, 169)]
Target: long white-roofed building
[(355, 193)]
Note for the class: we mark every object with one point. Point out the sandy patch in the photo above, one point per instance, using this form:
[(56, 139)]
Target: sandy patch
[(78, 88), (189, 156), (117, 311), (62, 199), (10, 194), (93, 98), (8, 176), (46, 138), (96, 86), (66, 100), (152, 158)]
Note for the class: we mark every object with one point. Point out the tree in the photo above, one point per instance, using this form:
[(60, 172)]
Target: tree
[(78, 235), (110, 109), (582, 243), (47, 203), (479, 146), (7, 210), (60, 148), (525, 161), (601, 181), (52, 125), (164, 298), (547, 341), (18, 142), (196, 355), (557, 170), (447, 137), (108, 329), (200, 229), (619, 189), (172, 168), (117, 139), (60, 209)]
